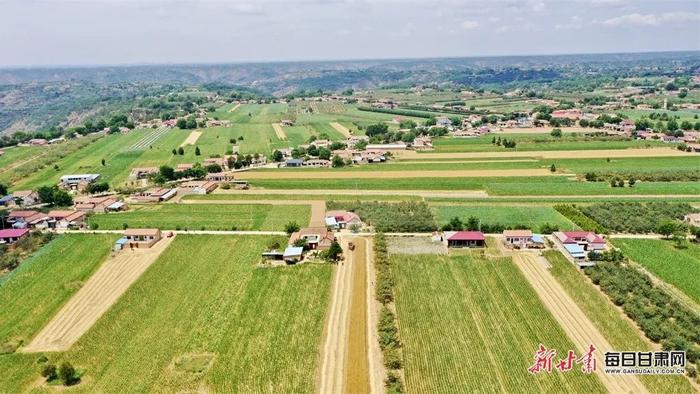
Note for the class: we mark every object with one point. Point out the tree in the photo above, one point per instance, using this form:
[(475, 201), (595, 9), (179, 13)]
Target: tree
[(473, 223), (197, 152), (631, 181), (67, 374), (553, 168), (334, 252), (97, 187), (61, 198), (377, 129), (49, 371), (337, 162), (695, 232), (291, 227), (45, 194), (3, 189), (666, 228), (181, 124), (180, 151), (277, 156), (556, 133), (104, 162), (167, 172), (174, 151)]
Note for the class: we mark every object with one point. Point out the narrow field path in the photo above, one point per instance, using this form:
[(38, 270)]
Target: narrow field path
[(192, 138), (235, 107), (341, 129), (331, 376), (98, 294), (279, 131), (318, 207), (573, 321), (357, 364)]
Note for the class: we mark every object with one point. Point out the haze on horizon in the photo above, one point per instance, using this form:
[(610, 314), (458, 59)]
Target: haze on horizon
[(111, 32)]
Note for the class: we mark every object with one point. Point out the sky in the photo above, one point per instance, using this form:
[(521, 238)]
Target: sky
[(97, 32)]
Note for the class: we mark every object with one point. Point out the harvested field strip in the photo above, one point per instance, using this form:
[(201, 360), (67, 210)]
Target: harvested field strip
[(478, 333), (564, 154), (574, 321), (98, 294), (318, 207), (621, 332), (148, 140), (192, 138), (357, 372), (341, 129), (286, 174), (38, 288), (279, 131)]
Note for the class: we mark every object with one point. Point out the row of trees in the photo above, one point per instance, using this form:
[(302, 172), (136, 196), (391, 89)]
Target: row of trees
[(635, 217), (474, 224)]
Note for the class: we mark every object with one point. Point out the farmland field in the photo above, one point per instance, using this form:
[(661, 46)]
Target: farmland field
[(531, 216), (203, 316), (479, 332), (204, 217), (679, 267), (45, 281), (620, 332), (534, 142)]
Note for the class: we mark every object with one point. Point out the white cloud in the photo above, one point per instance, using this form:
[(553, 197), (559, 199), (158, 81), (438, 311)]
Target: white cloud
[(574, 23), (470, 25), (637, 19)]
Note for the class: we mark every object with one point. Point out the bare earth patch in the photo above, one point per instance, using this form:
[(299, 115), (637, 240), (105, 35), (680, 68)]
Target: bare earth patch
[(571, 318), (235, 107), (192, 138), (415, 245), (341, 129), (100, 292), (279, 131)]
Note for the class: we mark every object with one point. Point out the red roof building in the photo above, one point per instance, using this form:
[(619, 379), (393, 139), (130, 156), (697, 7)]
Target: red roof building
[(465, 239), (589, 240), (10, 236)]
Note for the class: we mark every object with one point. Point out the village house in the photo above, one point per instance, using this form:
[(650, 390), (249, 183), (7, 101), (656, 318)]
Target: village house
[(353, 140), (423, 142), (317, 238), (443, 121), (138, 238), (287, 122), (517, 238), (66, 219), (142, 172), (573, 114), (58, 140), (293, 254), (7, 201), (184, 167), (218, 123), (198, 187), (26, 197), (336, 220), (221, 177), (464, 239), (316, 163), (98, 204), (220, 161), (27, 219), (577, 244), (77, 181), (37, 142), (156, 194), (10, 236), (294, 163)]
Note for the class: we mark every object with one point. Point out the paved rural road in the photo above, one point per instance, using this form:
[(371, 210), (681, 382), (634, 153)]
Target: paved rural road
[(571, 318)]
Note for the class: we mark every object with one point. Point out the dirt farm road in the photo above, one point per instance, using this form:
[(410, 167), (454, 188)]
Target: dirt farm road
[(192, 138), (341, 129), (235, 107), (318, 207), (97, 295), (573, 321), (279, 131)]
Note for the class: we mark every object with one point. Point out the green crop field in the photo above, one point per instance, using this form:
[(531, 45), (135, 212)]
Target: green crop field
[(610, 320), (203, 317), (536, 142), (204, 217), (299, 197), (479, 332), (531, 216), (679, 267), (38, 288)]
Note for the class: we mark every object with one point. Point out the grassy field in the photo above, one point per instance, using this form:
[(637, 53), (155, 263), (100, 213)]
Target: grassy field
[(679, 267), (205, 217), (299, 197), (35, 291), (202, 318), (617, 329), (479, 332), (532, 216)]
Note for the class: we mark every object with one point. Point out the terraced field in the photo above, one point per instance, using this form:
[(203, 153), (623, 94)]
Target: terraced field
[(204, 217), (479, 332), (202, 317)]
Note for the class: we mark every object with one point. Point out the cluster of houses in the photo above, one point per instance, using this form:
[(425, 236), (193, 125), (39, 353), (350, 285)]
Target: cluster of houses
[(57, 219)]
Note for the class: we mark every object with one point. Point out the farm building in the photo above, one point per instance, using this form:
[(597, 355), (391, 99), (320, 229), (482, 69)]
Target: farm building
[(10, 236), (142, 172), (183, 167), (393, 146), (38, 142), (287, 122), (140, 237), (517, 238), (573, 114), (6, 201), (465, 239), (692, 219), (27, 197), (423, 142), (353, 140), (315, 237), (293, 254), (77, 181), (66, 219), (316, 163), (156, 194), (586, 239), (27, 219), (294, 163), (342, 219), (198, 187)]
